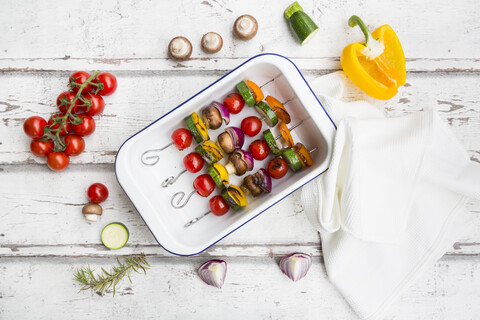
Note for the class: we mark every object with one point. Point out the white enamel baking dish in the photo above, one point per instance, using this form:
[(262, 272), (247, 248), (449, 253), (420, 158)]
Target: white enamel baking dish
[(142, 183)]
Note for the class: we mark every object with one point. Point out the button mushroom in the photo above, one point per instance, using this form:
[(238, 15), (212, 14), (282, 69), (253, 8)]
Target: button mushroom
[(245, 27), (92, 212), (225, 141), (239, 162), (212, 42), (212, 117), (257, 183), (250, 186), (180, 48)]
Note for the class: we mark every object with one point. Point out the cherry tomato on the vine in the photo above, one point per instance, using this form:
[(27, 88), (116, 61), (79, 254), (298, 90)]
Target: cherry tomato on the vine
[(41, 148), (182, 138), (93, 104), (193, 162), (251, 126), (218, 205), (34, 126), (97, 192), (277, 168), (57, 161), (87, 127), (77, 79), (109, 83), (234, 103), (259, 149), (67, 127), (75, 145), (67, 98), (204, 185)]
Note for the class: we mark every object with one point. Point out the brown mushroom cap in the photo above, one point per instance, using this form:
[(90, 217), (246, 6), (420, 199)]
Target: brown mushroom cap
[(239, 164), (212, 42), (250, 182), (245, 27), (92, 208), (226, 143), (212, 117), (180, 48)]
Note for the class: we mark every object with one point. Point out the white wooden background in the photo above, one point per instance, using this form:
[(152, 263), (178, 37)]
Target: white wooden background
[(43, 236)]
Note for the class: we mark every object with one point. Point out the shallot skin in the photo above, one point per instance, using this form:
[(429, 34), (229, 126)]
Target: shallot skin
[(295, 265), (213, 273)]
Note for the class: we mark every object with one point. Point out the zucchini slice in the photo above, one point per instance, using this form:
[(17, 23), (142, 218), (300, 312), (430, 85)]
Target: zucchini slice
[(216, 177), (301, 24), (266, 112), (268, 135), (293, 161), (193, 129), (245, 93), (114, 235)]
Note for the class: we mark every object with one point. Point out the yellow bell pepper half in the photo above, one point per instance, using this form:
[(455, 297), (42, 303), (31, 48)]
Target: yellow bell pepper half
[(378, 65)]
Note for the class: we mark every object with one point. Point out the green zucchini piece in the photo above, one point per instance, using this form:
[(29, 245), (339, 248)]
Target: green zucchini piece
[(207, 156), (266, 112), (272, 143), (114, 235), (216, 177), (291, 157), (230, 200), (294, 7), (245, 93), (301, 24), (193, 129)]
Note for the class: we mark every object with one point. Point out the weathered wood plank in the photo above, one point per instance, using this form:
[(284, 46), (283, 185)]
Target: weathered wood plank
[(143, 97), (254, 288), (133, 35), (41, 216)]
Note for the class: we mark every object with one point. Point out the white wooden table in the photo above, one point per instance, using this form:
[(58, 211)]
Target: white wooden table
[(44, 237)]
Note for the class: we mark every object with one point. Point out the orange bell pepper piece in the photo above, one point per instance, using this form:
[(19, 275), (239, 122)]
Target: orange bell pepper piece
[(256, 91)]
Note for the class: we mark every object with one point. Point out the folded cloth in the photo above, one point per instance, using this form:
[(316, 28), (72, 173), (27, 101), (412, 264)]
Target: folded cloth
[(386, 207)]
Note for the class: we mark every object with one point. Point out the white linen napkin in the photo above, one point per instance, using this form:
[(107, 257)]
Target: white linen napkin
[(386, 206)]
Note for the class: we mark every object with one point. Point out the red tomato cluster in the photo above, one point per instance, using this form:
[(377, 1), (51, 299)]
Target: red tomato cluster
[(61, 136)]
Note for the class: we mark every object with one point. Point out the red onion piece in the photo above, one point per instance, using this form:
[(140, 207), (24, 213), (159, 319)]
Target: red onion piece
[(213, 272), (247, 156), (237, 135), (223, 111), (267, 181), (295, 265)]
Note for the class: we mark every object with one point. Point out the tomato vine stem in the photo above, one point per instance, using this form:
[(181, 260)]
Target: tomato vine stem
[(53, 134)]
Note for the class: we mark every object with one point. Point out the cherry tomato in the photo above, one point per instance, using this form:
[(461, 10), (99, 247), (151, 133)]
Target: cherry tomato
[(109, 83), (218, 205), (67, 127), (193, 162), (251, 126), (259, 149), (204, 185), (96, 102), (182, 138), (34, 126), (77, 79), (87, 127), (277, 168), (234, 103), (67, 98), (57, 161), (97, 193), (75, 145), (41, 148)]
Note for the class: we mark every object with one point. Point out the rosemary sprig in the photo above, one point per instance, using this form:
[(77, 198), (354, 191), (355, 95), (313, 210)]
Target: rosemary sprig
[(106, 280)]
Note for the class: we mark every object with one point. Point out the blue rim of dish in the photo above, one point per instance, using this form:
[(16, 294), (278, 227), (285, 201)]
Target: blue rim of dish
[(194, 254)]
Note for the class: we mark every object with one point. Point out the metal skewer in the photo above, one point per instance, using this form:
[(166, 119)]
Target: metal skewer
[(195, 220), (171, 180), (178, 204), (156, 158)]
